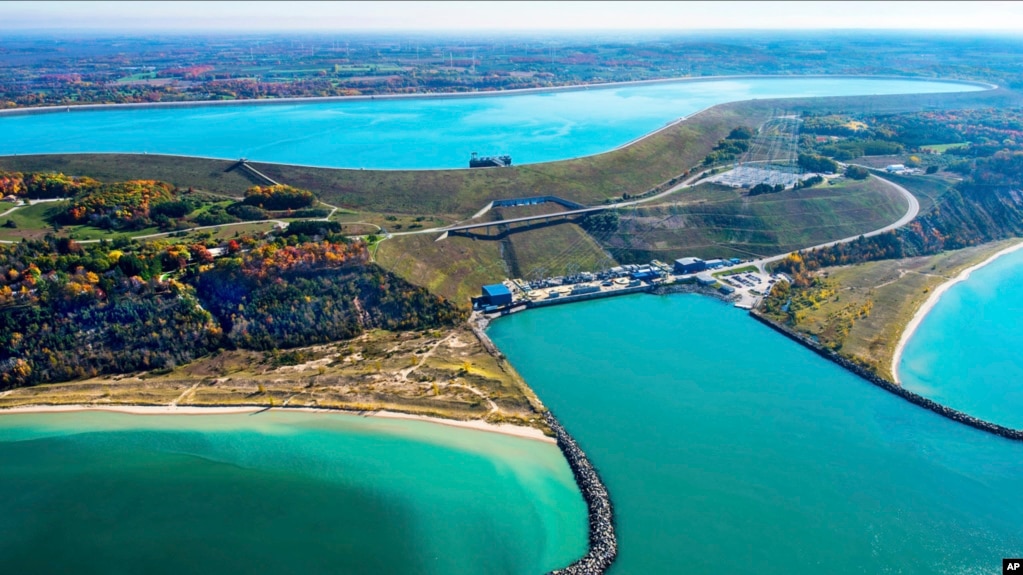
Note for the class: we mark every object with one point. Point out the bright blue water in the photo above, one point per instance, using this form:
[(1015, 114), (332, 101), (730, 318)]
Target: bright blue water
[(417, 133), (279, 493), (728, 448), (966, 352)]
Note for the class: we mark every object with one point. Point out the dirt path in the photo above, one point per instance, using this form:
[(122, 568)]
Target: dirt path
[(184, 394), (493, 406), (422, 359)]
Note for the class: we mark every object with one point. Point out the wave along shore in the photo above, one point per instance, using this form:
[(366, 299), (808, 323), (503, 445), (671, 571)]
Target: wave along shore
[(931, 301), (478, 425)]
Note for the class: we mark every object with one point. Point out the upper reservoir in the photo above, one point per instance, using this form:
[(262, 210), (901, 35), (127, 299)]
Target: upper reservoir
[(418, 133), (730, 449), (966, 352), (109, 493)]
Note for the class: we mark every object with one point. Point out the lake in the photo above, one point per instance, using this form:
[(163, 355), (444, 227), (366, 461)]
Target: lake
[(417, 133), (965, 353), (106, 493), (730, 449)]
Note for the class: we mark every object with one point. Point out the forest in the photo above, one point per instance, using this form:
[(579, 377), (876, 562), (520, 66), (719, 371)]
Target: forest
[(71, 310)]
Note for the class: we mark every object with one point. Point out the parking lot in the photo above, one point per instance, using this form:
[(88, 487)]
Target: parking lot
[(749, 286)]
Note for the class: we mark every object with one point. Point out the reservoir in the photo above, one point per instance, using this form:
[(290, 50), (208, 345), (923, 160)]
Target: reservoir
[(275, 493), (965, 353), (418, 133), (729, 449)]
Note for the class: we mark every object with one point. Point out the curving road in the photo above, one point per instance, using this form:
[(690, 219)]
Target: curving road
[(911, 212)]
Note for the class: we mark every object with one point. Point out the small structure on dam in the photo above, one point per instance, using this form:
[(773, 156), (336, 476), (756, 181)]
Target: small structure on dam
[(477, 161)]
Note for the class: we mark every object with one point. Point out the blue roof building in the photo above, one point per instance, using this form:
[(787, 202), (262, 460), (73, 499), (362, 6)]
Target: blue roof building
[(497, 294)]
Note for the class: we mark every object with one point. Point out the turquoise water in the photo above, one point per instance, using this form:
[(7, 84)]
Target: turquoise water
[(417, 133), (966, 352), (730, 449), (279, 493)]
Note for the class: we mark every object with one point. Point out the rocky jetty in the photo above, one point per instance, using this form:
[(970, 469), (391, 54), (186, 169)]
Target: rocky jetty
[(603, 543), (943, 410)]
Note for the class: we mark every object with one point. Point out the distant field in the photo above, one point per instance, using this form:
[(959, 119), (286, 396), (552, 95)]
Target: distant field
[(942, 148)]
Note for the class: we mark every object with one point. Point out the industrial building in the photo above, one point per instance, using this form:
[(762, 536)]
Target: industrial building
[(705, 279), (685, 266), (496, 294)]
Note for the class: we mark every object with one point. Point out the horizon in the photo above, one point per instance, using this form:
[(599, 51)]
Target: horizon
[(447, 17)]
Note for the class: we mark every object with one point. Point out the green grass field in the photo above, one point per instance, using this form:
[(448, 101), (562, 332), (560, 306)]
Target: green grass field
[(942, 148), (32, 223)]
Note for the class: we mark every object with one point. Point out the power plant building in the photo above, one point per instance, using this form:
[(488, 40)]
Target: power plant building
[(496, 294), (685, 266)]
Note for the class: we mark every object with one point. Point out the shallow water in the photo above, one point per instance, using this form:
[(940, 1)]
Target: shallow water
[(730, 449), (279, 493), (966, 352), (417, 133)]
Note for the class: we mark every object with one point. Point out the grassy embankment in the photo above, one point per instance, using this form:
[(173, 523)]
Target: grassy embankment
[(928, 189), (443, 373), (713, 221), (861, 310), (458, 265)]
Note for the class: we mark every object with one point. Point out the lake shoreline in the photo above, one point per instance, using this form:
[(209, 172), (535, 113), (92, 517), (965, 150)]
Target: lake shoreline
[(932, 300), (453, 95), (138, 409)]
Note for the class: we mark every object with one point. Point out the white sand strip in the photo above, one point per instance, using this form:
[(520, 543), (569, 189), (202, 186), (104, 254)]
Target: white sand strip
[(478, 425), (928, 305)]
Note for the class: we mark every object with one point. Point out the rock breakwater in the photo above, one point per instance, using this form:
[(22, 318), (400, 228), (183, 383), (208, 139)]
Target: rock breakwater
[(942, 410), (603, 546)]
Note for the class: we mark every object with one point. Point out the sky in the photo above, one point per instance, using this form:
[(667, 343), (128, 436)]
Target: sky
[(510, 16)]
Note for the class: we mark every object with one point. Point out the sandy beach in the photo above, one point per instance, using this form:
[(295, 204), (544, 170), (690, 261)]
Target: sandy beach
[(928, 305), (506, 429)]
